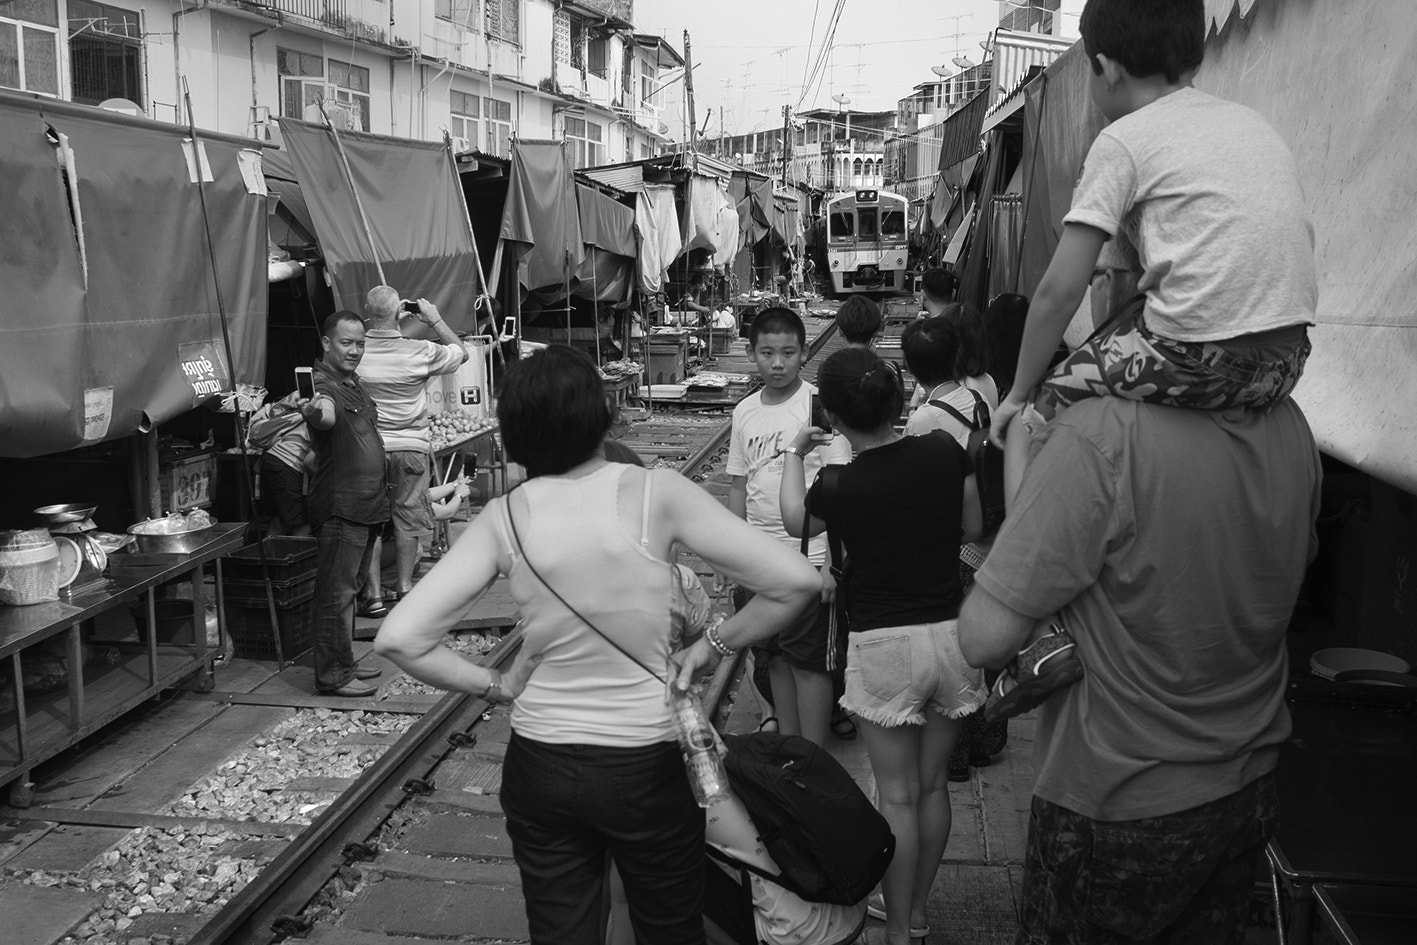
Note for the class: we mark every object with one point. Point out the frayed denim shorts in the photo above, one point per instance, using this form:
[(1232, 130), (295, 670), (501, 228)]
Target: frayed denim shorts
[(894, 673)]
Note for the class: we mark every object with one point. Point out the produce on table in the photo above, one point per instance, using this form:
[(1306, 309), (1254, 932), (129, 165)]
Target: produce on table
[(456, 424)]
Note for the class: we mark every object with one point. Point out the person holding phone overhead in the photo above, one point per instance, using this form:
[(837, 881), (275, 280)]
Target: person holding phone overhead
[(395, 372)]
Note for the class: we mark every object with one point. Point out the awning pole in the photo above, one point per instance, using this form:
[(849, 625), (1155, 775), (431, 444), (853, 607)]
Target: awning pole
[(354, 192), (484, 294)]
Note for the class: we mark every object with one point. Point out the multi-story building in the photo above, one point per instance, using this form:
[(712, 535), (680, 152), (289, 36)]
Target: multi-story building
[(481, 70), (830, 149)]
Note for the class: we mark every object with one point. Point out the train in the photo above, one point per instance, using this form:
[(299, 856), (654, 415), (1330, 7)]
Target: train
[(866, 248)]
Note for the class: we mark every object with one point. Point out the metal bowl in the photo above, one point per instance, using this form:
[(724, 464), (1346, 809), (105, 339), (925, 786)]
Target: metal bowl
[(175, 543), (63, 514)]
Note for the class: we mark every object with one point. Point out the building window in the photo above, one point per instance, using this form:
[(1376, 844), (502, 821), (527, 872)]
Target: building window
[(302, 83), (105, 53), (856, 169), (461, 13), (585, 140), (29, 46), (499, 126), (597, 55), (646, 86), (351, 89), (462, 122), (504, 20)]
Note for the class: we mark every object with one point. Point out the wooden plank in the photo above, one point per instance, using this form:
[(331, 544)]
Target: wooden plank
[(411, 866), (314, 785), (132, 819), (66, 848), (1006, 793), (444, 910), (40, 915), (973, 904)]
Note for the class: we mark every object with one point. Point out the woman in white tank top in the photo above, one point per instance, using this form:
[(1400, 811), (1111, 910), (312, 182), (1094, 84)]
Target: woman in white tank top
[(592, 768)]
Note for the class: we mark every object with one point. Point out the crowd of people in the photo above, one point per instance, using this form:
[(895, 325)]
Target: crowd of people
[(1161, 486)]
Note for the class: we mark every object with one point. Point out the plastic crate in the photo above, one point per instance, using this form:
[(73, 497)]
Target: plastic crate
[(253, 592), (250, 628), (288, 558)]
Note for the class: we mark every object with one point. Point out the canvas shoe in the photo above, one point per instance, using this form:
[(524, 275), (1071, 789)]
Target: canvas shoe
[(1046, 665)]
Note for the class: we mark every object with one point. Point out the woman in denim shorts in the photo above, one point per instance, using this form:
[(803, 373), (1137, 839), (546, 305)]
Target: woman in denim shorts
[(901, 509)]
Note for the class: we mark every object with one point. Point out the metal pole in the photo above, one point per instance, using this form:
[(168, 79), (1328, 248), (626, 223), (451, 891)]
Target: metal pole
[(484, 292), (354, 191), (689, 95)]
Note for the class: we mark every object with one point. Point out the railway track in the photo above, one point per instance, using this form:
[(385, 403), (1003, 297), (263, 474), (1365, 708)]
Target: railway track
[(421, 815)]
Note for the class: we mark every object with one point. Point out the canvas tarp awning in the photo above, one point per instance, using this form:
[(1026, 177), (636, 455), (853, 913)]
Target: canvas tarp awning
[(959, 138), (541, 215), (608, 229), (706, 211), (86, 360), (657, 222), (411, 200)]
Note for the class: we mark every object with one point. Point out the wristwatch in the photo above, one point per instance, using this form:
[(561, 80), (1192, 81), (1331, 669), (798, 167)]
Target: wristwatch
[(794, 451)]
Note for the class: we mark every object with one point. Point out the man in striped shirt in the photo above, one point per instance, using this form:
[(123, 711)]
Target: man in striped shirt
[(395, 372)]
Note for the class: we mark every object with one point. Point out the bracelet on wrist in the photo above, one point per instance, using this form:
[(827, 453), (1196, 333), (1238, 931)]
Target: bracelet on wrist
[(494, 685), (716, 642)]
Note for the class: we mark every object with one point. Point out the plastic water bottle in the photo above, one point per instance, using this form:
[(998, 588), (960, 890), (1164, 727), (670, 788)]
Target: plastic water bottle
[(707, 776)]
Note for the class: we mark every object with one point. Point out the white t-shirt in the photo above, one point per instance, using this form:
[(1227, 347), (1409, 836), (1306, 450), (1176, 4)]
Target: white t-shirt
[(760, 431), (929, 417), (1209, 195), (395, 372)]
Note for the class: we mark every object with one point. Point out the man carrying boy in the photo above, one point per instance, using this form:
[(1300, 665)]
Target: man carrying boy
[(764, 423), (1173, 541)]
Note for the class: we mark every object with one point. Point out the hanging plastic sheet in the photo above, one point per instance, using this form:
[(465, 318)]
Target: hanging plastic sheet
[(416, 228), (541, 215), (606, 223), (111, 322), (730, 235), (657, 221), (705, 206)]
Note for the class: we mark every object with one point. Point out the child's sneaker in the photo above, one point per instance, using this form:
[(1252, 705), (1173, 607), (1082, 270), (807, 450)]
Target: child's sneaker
[(1046, 665)]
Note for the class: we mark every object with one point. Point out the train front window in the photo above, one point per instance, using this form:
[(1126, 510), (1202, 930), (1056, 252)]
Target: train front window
[(841, 225), (893, 223), (866, 217)]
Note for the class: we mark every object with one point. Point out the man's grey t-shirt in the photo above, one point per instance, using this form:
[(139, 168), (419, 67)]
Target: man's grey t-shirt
[(1208, 194), (1174, 542)]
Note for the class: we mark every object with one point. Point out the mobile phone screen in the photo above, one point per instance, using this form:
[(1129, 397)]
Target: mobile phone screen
[(305, 383), (509, 328), (819, 416)]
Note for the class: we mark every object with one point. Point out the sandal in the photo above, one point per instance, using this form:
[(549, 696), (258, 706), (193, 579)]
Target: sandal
[(768, 725), (373, 607), (843, 728), (876, 935), (876, 909)]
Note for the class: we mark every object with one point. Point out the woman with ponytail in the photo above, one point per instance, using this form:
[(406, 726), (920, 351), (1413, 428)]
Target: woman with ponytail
[(901, 509)]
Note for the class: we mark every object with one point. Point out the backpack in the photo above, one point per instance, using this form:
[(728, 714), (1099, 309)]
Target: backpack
[(269, 424), (828, 841), (987, 458)]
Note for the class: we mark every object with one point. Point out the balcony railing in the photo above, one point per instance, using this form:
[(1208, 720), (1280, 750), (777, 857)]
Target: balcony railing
[(357, 19)]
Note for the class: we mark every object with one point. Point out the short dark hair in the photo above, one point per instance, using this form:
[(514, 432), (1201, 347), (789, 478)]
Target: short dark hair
[(860, 388), (343, 315), (931, 347), (553, 410), (617, 452), (1147, 37), (1003, 327), (972, 357), (776, 320), (938, 284), (858, 318)]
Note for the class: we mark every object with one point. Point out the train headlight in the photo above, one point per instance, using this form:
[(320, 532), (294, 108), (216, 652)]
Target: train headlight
[(836, 263)]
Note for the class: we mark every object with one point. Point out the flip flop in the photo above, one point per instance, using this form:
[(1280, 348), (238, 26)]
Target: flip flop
[(771, 720), (876, 909), (372, 608), (843, 727)]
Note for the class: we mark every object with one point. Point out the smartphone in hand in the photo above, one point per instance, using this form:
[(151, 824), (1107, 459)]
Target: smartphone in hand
[(305, 382), (819, 416)]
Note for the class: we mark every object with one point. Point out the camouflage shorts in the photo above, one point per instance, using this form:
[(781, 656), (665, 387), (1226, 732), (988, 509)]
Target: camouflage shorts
[(1129, 361), (1181, 878)]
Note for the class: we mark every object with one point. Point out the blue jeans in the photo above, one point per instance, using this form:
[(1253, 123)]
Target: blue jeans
[(344, 552), (569, 806)]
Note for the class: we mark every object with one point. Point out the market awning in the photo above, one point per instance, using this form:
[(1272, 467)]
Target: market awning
[(392, 201), (540, 216), (111, 316), (959, 138), (657, 222), (606, 223)]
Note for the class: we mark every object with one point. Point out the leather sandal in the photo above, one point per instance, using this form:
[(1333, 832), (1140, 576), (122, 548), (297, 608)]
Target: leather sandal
[(373, 607)]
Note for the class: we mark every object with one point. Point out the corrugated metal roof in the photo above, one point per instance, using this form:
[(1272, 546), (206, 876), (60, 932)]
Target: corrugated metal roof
[(959, 136), (1011, 102), (1016, 53), (629, 178)]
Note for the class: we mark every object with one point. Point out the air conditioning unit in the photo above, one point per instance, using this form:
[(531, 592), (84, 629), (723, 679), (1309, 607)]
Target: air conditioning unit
[(461, 145)]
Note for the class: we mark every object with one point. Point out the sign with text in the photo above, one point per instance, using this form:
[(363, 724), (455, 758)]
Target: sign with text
[(204, 368)]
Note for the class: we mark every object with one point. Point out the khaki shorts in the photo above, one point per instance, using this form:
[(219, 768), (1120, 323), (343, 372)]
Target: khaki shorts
[(409, 507), (893, 673)]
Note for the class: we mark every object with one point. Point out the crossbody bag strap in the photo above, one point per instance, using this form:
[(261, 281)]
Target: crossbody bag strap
[(521, 549), (954, 413)]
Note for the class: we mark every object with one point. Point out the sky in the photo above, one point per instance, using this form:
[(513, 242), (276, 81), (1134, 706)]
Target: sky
[(752, 56)]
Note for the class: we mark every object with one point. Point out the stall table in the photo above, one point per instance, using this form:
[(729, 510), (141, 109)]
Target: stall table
[(1346, 779), (36, 728), (444, 459)]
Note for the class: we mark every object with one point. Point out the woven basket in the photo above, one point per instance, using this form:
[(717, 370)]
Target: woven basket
[(29, 567)]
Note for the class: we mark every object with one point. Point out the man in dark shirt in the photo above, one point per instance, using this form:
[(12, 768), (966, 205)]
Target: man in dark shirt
[(348, 501)]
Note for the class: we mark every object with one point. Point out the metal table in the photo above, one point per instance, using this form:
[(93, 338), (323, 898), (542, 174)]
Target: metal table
[(1347, 782), (37, 728)]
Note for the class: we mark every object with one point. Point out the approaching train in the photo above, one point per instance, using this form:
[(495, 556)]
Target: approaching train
[(866, 241)]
